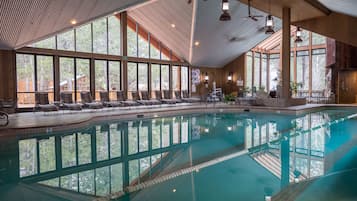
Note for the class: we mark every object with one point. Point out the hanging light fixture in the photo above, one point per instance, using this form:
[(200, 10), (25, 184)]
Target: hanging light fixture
[(225, 8), (206, 78), (298, 34), (269, 23)]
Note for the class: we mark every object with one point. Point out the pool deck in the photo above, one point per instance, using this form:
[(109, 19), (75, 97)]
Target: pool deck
[(36, 122)]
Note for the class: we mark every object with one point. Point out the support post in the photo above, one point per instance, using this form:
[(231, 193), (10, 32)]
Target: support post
[(285, 54)]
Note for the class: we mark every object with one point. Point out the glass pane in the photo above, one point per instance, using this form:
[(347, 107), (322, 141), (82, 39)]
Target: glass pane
[(102, 143), (264, 73), (115, 141), (256, 70), (84, 148), (102, 186), (45, 75), (114, 78), (144, 164), (132, 40), (100, 77), (155, 78), (47, 155), (165, 53), (318, 39), (100, 36), (302, 70), (143, 77), (319, 72), (143, 139), (175, 78), (28, 157), (154, 48), (114, 35), (25, 72), (67, 75), (143, 42), (132, 140), (68, 147), (84, 38), (165, 77), (65, 41), (83, 76), (49, 43), (86, 182), (116, 176), (274, 69), (184, 78), (132, 76), (249, 72)]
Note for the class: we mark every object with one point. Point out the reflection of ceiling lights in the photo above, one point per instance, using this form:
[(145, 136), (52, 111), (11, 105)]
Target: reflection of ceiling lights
[(197, 43), (267, 198), (206, 130), (225, 5), (229, 128), (173, 25), (174, 190)]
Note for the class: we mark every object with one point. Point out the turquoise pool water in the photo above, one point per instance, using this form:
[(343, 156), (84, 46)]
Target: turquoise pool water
[(198, 157)]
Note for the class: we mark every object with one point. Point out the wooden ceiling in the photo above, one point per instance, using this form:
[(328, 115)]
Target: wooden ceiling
[(157, 18), (26, 21), (300, 9), (347, 7)]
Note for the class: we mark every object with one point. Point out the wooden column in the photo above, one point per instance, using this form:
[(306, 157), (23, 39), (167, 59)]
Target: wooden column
[(124, 50), (285, 54), (8, 76)]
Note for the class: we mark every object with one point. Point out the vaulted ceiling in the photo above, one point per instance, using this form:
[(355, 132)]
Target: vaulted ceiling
[(26, 21)]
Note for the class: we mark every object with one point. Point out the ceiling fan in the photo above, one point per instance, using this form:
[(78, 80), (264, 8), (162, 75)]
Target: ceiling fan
[(250, 16)]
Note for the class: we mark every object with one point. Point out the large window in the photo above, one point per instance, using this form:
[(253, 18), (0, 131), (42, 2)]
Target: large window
[(143, 43), (155, 78), (114, 78), (176, 79), (82, 77), (84, 38), (319, 70), (114, 35), (132, 77), (138, 77), (165, 77), (132, 41), (100, 39), (67, 75), (302, 69), (29, 81), (264, 70), (184, 78), (256, 70), (101, 77), (249, 71), (143, 77), (274, 71)]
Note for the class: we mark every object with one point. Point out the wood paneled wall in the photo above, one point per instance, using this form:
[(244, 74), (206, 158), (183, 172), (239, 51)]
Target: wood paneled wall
[(7, 75), (214, 74), (237, 68)]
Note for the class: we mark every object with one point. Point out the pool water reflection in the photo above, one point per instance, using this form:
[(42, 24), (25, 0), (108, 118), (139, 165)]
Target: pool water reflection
[(182, 157)]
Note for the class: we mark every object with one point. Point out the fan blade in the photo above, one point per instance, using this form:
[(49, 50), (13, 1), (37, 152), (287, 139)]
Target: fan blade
[(257, 16)]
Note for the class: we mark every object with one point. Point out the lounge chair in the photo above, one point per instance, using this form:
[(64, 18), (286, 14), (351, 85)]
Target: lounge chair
[(42, 103), (188, 99), (145, 97), (168, 97), (121, 97), (136, 97), (166, 101), (104, 97), (88, 102), (67, 101)]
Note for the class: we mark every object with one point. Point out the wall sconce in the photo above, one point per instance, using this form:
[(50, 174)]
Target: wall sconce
[(206, 78), (230, 77)]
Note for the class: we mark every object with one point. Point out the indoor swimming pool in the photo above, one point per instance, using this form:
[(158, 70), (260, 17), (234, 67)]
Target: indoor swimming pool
[(195, 157)]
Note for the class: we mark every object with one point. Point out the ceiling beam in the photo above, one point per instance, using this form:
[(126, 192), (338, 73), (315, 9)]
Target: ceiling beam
[(316, 4)]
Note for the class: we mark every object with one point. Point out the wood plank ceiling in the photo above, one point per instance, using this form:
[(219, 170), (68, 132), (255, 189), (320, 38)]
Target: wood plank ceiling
[(26, 21), (347, 7), (157, 18)]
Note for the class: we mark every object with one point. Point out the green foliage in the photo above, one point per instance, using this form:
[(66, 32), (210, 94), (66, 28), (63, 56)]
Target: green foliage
[(229, 98)]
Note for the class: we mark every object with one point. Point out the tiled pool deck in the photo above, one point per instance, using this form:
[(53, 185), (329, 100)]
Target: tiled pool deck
[(34, 122)]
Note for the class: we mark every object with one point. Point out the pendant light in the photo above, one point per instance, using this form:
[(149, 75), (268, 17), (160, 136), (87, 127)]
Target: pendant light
[(269, 22), (225, 8), (298, 34)]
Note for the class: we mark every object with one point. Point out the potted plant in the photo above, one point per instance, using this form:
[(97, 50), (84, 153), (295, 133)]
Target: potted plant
[(246, 90), (294, 86), (229, 98)]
